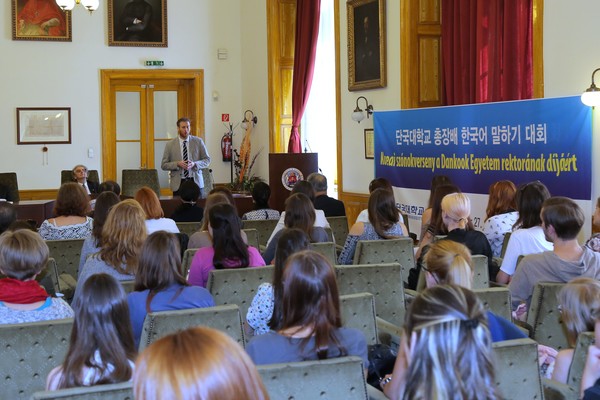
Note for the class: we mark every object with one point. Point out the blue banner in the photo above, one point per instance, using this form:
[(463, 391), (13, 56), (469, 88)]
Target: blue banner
[(476, 145)]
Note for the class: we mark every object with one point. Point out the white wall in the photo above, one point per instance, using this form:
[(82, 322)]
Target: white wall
[(45, 74)]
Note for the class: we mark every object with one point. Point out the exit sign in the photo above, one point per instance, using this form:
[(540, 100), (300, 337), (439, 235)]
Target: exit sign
[(154, 63)]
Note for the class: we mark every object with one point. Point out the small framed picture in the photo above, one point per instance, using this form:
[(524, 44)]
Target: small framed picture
[(40, 20), (366, 44), (369, 144), (44, 125), (137, 23)]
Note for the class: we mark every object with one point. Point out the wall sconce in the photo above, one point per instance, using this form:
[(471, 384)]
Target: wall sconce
[(591, 97), (358, 114), (252, 119), (90, 5)]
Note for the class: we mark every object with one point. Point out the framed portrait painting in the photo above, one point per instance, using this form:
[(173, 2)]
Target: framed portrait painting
[(137, 23), (44, 125), (40, 20), (366, 44)]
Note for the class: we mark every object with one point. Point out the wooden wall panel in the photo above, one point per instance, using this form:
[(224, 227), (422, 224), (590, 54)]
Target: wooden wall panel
[(354, 203)]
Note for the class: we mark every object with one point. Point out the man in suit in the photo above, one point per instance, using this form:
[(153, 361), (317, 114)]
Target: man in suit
[(330, 206), (80, 175), (184, 158)]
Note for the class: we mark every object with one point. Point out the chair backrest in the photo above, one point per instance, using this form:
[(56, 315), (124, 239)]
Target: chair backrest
[(383, 280), (207, 177), (134, 179), (505, 244), (113, 391), (584, 340), (66, 175), (237, 285), (225, 318), (327, 249), (186, 261), (387, 251), (128, 286), (264, 227), (67, 253), (29, 352), (358, 312), (189, 228), (48, 278), (252, 235), (334, 379), (497, 300), (339, 227), (481, 272), (544, 318), (9, 179), (517, 370)]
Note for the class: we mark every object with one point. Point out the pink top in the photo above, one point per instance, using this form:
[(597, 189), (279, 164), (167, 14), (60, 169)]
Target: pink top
[(202, 264)]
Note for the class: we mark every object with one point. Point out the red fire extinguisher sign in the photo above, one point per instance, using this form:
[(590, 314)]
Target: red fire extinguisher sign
[(224, 117)]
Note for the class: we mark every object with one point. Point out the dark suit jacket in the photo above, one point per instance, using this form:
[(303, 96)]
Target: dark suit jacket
[(93, 186), (330, 206)]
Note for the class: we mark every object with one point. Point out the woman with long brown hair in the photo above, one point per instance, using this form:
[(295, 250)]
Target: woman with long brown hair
[(311, 324), (501, 214), (71, 219)]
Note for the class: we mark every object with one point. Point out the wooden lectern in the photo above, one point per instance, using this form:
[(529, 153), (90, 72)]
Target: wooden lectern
[(285, 169)]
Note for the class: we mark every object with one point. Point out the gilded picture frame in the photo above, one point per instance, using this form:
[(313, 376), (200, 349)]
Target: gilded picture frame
[(137, 23), (44, 125), (41, 20), (366, 44)]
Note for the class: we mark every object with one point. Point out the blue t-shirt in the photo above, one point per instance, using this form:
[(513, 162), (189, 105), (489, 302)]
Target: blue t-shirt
[(273, 348), (502, 329), (175, 297)]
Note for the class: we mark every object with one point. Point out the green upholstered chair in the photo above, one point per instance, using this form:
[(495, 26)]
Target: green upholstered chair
[(9, 179), (264, 227), (208, 180), (67, 254), (29, 352), (189, 228), (327, 249), (128, 286), (517, 371), (543, 317), (114, 391), (358, 312), (584, 340), (237, 285), (252, 235), (186, 261), (497, 300), (134, 179), (225, 318), (339, 227), (333, 379), (481, 273), (66, 175), (386, 251)]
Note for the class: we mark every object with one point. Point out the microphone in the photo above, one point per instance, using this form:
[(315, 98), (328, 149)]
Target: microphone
[(307, 144)]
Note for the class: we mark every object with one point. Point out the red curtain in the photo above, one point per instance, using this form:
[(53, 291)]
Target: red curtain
[(307, 32), (487, 50)]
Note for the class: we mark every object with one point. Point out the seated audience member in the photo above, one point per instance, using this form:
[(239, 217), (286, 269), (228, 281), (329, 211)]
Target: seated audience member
[(265, 311), (110, 186), (437, 180), (596, 218), (155, 217), (8, 215), (71, 221), (449, 262), (445, 350), (158, 284), (562, 219), (307, 189), (123, 236), (23, 255), (299, 213), (330, 206), (261, 192), (528, 236), (189, 210), (311, 325), (93, 243), (226, 192), (590, 379), (377, 183), (101, 348), (203, 238), (197, 363), (384, 223), (80, 176), (593, 243), (501, 214), (228, 249), (579, 302)]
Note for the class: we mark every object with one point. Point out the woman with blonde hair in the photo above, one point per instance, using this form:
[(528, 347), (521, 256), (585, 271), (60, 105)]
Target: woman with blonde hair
[(155, 216), (71, 219), (170, 369), (501, 214), (445, 350), (123, 236), (580, 308)]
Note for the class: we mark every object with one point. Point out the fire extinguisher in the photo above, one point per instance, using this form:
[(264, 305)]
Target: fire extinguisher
[(226, 146)]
